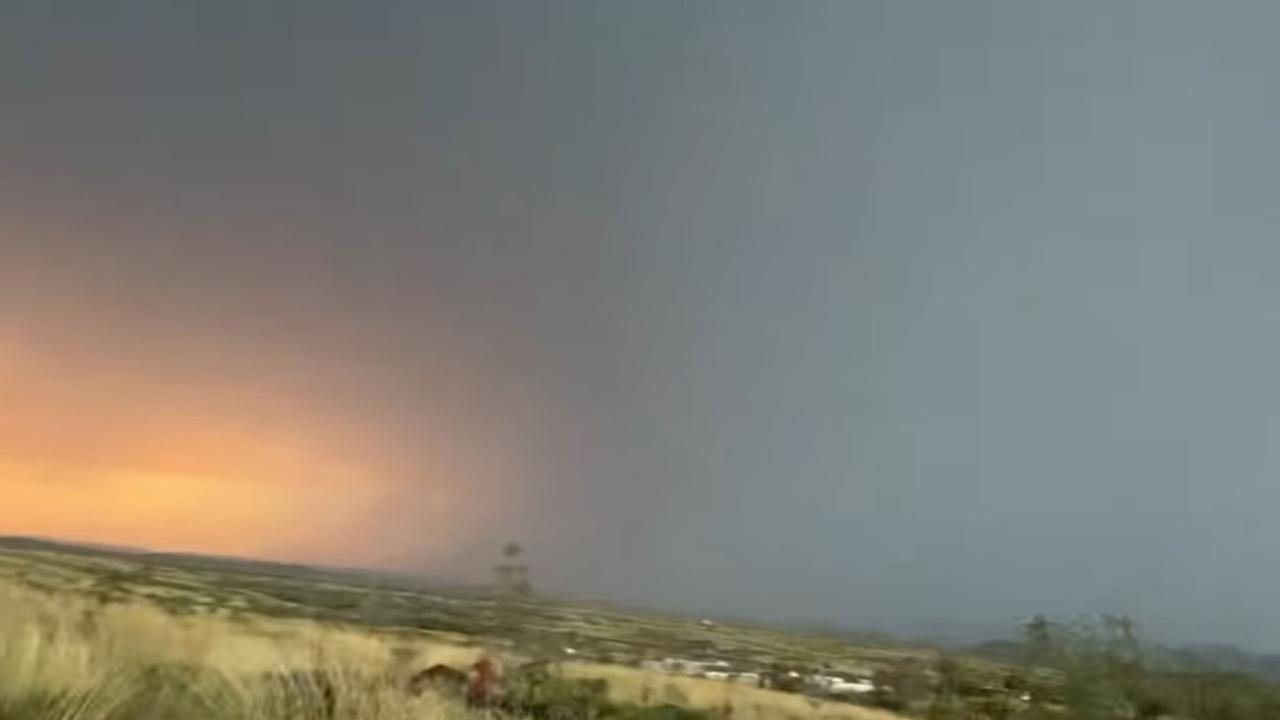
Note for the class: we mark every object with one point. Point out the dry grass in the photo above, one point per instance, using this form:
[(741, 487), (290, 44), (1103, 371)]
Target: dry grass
[(65, 657), (741, 702)]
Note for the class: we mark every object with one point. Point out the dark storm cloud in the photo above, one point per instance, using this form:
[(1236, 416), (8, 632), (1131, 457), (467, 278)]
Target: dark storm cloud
[(919, 316)]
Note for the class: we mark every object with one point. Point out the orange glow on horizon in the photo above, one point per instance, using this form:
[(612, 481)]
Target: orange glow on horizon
[(281, 509), (163, 511), (208, 493), (91, 476), (205, 428)]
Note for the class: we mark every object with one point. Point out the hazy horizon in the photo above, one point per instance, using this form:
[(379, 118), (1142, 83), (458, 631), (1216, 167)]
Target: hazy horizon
[(479, 580), (910, 317)]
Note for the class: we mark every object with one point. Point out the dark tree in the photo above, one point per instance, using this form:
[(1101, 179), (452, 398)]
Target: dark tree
[(512, 573)]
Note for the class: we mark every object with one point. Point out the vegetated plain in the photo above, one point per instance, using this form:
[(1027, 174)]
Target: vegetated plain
[(387, 603), (91, 633)]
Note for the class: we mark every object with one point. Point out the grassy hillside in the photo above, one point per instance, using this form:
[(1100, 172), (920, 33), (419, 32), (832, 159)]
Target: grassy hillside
[(96, 634), (110, 634), (182, 584)]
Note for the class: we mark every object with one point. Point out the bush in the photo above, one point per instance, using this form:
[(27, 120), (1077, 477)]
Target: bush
[(542, 696), (662, 712)]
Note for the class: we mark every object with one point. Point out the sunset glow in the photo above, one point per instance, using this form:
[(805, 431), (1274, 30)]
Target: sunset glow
[(217, 429), (102, 448), (136, 508), (912, 317)]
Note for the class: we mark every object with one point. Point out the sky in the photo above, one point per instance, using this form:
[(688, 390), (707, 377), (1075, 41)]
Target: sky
[(916, 317)]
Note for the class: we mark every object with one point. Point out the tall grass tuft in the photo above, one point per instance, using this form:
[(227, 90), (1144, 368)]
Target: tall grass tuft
[(63, 658)]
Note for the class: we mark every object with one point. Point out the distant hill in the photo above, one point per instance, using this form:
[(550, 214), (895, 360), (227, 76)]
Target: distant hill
[(25, 542), (1198, 658), (1004, 651), (1228, 658), (249, 566)]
